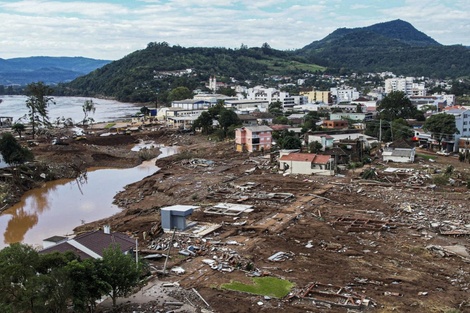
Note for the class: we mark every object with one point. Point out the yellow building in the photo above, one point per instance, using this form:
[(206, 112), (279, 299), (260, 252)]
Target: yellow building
[(317, 96)]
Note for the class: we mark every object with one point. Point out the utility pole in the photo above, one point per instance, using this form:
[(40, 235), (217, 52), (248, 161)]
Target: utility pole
[(380, 133)]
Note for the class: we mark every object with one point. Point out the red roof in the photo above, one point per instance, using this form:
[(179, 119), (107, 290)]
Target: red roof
[(279, 126), (322, 159), (299, 157), (306, 157)]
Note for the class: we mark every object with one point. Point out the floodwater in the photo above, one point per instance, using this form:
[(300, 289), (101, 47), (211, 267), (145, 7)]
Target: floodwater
[(60, 206), (69, 107)]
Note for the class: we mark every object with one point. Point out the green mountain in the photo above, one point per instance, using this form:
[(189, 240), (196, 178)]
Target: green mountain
[(50, 70), (146, 74), (149, 74), (392, 46)]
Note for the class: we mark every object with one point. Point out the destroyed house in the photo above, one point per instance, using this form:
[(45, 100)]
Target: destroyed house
[(174, 217), (307, 164), (90, 244), (400, 152)]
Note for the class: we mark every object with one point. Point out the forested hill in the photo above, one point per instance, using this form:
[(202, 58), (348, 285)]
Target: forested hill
[(394, 46), (145, 74), (50, 70), (152, 72)]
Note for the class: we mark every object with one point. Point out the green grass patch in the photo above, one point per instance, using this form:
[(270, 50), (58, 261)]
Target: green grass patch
[(426, 156), (109, 125), (264, 286)]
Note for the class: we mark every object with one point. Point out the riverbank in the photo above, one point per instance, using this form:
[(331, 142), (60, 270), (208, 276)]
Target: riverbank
[(71, 156)]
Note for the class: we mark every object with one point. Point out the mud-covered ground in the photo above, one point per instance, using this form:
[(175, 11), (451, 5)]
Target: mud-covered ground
[(399, 242)]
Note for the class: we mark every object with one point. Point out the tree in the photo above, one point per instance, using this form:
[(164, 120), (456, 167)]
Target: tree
[(396, 105), (275, 108), (217, 109), (442, 126), (18, 128), (315, 147), (281, 120), (53, 280), (204, 121), (289, 140), (119, 271), (230, 92), (228, 118), (179, 93), (37, 103), (12, 152), (88, 108), (400, 129), (86, 284), (310, 122), (18, 279)]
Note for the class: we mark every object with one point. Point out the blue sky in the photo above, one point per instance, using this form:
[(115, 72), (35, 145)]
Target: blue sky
[(106, 29)]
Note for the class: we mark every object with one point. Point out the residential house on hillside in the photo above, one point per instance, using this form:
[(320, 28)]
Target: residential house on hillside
[(368, 116), (90, 244), (253, 138), (307, 164), (324, 139), (336, 124), (264, 117), (399, 151), (248, 120)]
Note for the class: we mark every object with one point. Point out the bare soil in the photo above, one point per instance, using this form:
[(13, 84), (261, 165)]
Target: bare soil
[(382, 240)]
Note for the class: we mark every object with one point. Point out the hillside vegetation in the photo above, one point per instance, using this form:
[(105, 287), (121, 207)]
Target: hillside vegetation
[(149, 74), (394, 46)]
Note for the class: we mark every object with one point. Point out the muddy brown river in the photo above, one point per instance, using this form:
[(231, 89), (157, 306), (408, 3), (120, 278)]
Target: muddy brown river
[(60, 206)]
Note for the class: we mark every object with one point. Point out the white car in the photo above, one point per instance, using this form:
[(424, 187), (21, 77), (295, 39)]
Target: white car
[(443, 153)]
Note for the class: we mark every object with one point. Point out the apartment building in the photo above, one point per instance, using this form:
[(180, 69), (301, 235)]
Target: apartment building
[(406, 85)]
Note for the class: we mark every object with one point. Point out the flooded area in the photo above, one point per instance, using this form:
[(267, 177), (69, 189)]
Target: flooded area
[(60, 206), (69, 107)]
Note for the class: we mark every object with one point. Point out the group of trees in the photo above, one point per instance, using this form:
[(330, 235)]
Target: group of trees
[(38, 101), (227, 121), (395, 109), (33, 282)]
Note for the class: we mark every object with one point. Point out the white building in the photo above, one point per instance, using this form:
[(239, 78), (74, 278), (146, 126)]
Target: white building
[(266, 94), (344, 94), (406, 85), (462, 123)]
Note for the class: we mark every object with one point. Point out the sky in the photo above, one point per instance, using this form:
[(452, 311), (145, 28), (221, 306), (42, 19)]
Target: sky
[(110, 30)]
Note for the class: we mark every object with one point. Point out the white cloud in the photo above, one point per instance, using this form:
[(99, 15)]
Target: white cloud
[(109, 30)]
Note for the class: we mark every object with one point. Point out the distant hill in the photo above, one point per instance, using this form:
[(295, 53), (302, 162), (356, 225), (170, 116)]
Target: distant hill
[(147, 74), (392, 46), (50, 70)]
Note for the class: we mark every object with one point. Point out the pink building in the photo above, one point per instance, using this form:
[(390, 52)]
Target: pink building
[(253, 138)]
